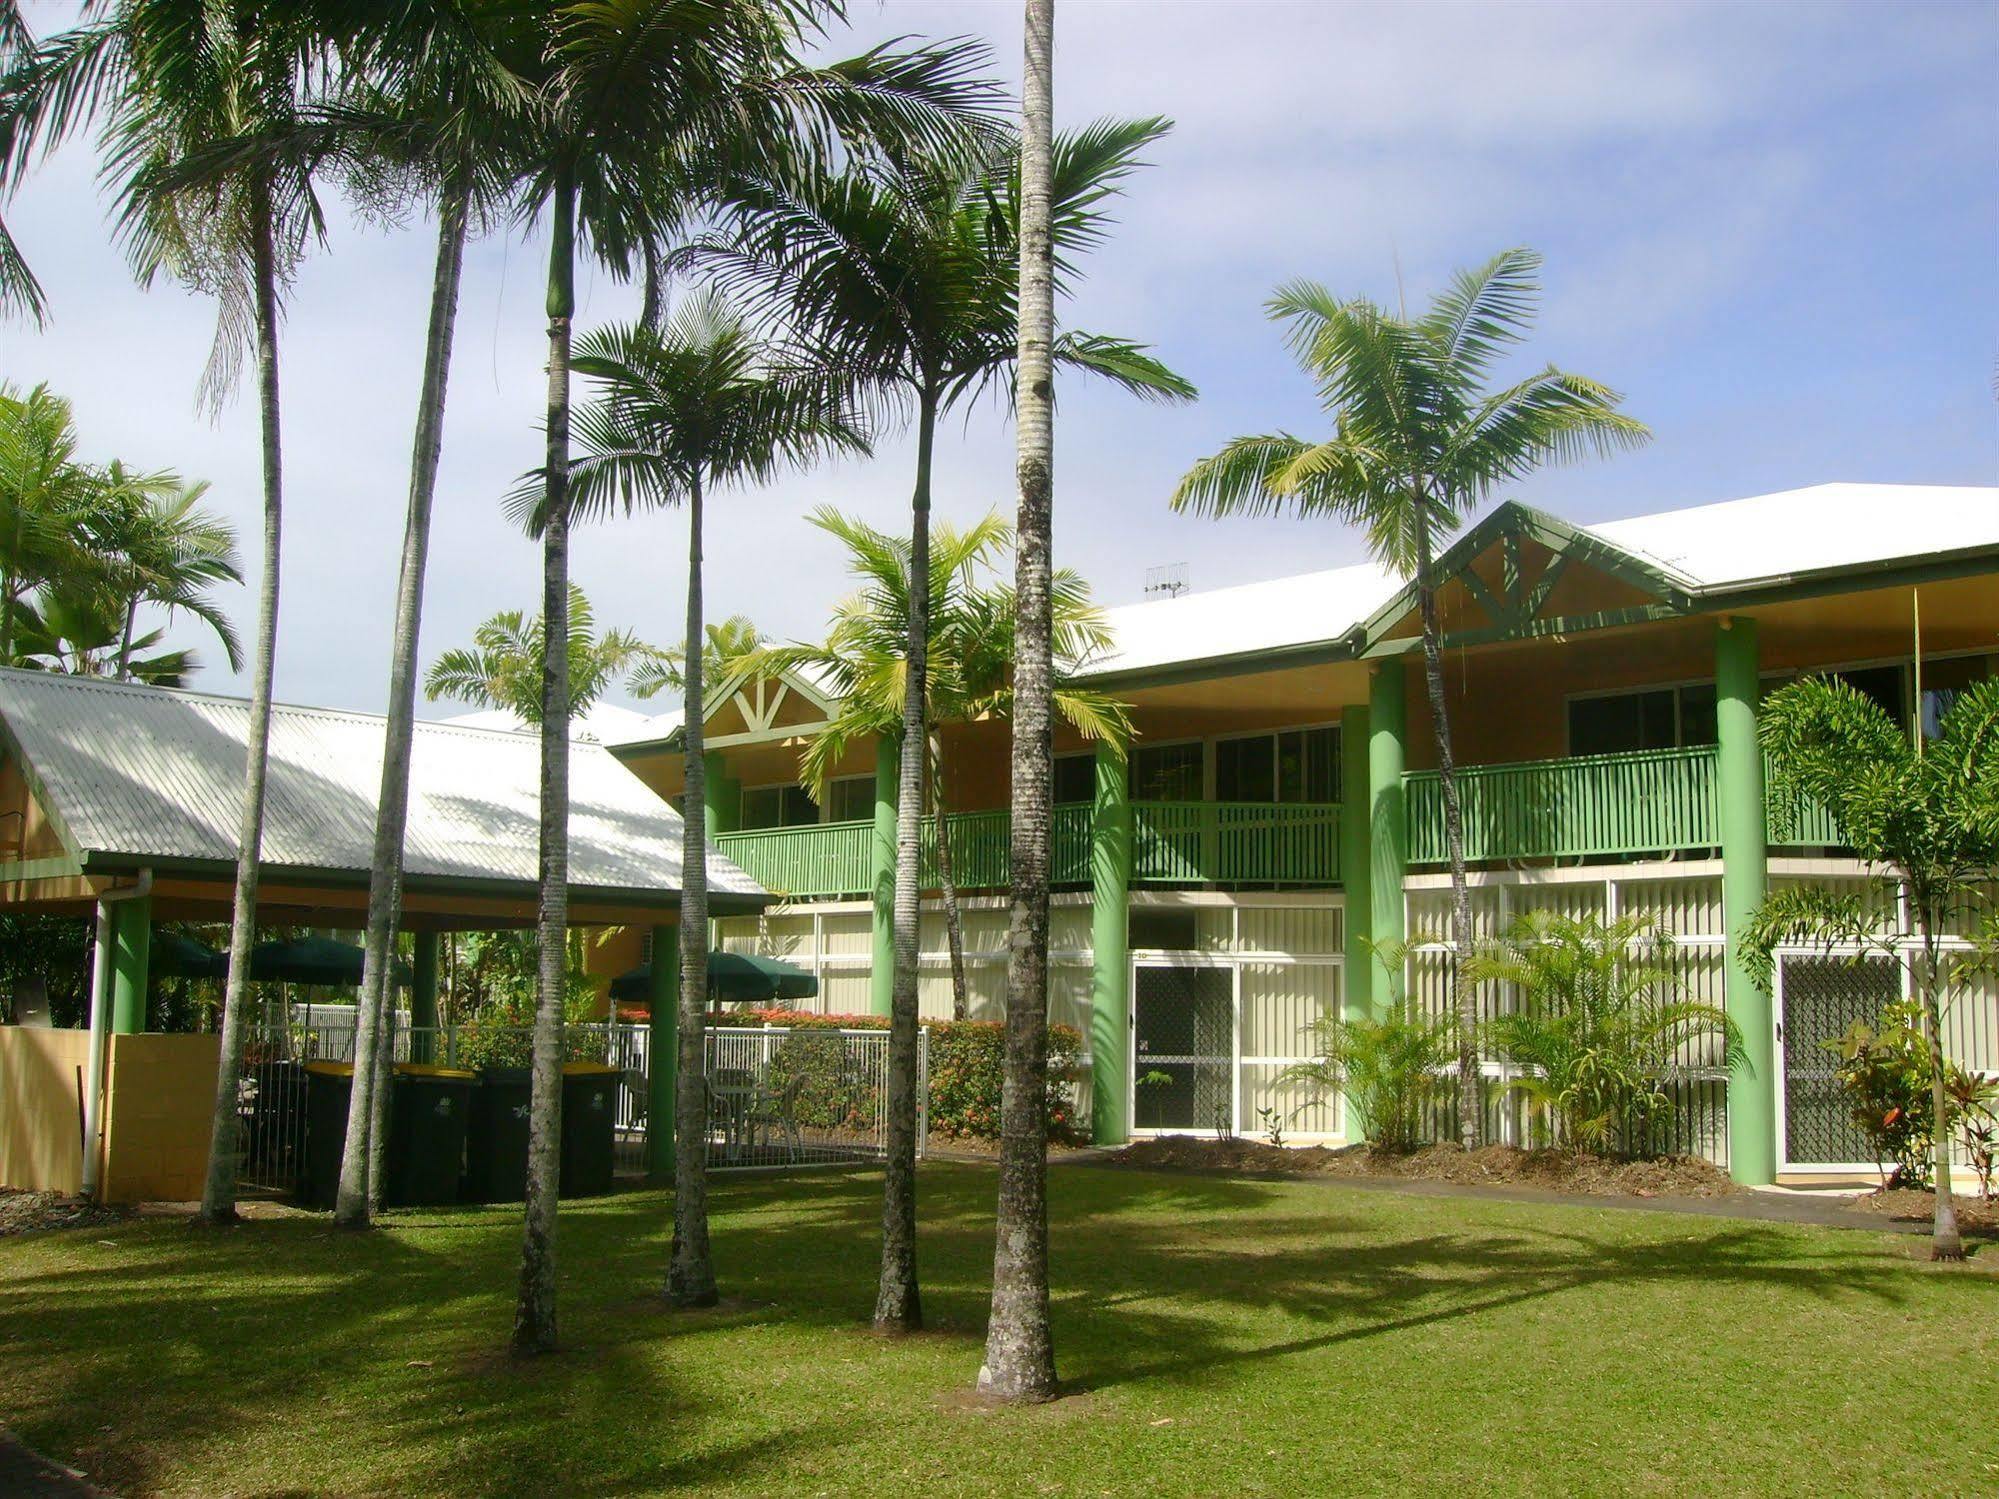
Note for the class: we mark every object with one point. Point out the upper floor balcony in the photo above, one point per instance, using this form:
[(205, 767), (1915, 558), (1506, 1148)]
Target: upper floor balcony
[(1619, 806)]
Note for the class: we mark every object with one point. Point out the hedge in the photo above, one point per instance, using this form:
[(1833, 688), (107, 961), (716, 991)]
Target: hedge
[(967, 1067)]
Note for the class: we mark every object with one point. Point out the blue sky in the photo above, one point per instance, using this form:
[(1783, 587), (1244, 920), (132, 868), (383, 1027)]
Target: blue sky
[(1775, 227)]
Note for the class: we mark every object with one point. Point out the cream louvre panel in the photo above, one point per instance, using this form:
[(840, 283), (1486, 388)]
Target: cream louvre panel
[(843, 992), (1971, 1028), (1069, 929), (1214, 929), (1297, 1108), (736, 933), (1280, 1001), (1069, 989), (1683, 908), (1305, 931), (848, 934)]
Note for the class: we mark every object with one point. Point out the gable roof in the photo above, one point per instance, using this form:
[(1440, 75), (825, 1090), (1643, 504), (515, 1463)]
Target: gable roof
[(133, 775), (1687, 559)]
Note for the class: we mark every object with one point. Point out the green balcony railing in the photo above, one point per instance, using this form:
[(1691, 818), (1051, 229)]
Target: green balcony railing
[(823, 859), (829, 859), (1236, 843), (1650, 801)]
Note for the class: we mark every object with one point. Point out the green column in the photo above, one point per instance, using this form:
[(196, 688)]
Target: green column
[(1356, 816), (662, 1051), (722, 794), (888, 786), (1752, 1085), (1110, 951), (423, 996), (1388, 824), (131, 952)]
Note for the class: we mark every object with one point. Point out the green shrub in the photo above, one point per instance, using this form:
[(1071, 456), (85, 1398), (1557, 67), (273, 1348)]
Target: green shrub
[(1885, 1070), (967, 1068), (1391, 1070)]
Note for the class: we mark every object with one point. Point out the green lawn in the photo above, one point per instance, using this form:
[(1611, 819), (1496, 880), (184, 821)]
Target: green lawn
[(1219, 1337)]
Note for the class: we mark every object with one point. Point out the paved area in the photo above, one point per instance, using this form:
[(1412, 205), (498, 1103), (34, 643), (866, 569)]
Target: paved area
[(28, 1474)]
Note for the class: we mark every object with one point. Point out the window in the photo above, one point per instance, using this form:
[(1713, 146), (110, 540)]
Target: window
[(778, 807), (1075, 778), (1293, 765), (1943, 681), (1163, 928), (1167, 773), (1656, 718), (850, 799)]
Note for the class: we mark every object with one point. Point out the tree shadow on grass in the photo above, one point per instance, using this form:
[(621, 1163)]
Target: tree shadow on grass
[(371, 1362)]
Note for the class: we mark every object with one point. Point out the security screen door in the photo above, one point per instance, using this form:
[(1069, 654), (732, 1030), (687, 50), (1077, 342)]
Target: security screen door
[(1183, 1048), (1822, 997)]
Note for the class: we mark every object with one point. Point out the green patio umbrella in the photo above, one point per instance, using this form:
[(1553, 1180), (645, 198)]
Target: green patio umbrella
[(180, 957), (733, 978), (309, 960)]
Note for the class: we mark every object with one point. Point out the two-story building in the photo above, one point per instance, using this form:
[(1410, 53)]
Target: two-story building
[(1279, 814)]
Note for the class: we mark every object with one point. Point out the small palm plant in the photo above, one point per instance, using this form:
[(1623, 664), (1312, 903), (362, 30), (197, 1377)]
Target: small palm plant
[(1602, 1037), (1925, 818), (1392, 1068)]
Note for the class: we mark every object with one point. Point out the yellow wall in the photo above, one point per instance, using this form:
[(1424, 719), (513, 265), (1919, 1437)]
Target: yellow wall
[(159, 1105), (41, 1134), (159, 1095)]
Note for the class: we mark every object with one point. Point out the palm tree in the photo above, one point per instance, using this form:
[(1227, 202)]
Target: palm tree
[(1418, 444), (20, 292), (44, 494), (167, 79), (435, 110), (970, 655), (646, 108), (158, 546), (1599, 1031), (688, 407), (1020, 1351), (502, 668), (1926, 818), (906, 278)]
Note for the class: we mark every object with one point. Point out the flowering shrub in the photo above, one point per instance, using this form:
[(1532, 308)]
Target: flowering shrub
[(967, 1068)]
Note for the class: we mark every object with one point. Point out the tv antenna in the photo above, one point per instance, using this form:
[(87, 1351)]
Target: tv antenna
[(1170, 580)]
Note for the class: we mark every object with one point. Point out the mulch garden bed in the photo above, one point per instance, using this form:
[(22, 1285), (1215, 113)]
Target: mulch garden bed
[(1488, 1166), (1976, 1218), (36, 1212)]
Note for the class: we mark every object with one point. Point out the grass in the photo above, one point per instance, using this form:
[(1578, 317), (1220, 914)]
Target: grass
[(1217, 1337)]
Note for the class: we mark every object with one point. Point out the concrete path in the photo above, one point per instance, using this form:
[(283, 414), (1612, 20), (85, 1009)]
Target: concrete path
[(29, 1474)]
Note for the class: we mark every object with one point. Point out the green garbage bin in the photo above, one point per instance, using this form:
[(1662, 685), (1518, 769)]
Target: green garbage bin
[(496, 1145), (328, 1086), (589, 1120), (428, 1110)]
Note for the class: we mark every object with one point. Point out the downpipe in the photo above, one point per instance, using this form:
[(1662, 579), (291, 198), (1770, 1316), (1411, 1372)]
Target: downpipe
[(100, 1033)]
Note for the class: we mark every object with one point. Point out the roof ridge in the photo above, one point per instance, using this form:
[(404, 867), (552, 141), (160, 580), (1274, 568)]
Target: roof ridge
[(72, 681)]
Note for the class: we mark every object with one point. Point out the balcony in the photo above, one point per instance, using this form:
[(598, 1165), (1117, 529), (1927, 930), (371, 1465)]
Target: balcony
[(1235, 843), (1589, 806), (1178, 843)]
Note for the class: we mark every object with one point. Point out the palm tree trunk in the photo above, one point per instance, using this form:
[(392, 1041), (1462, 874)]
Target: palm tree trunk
[(1946, 1243), (534, 1313), (1464, 999), (954, 925), (1020, 1350), (690, 1277), (125, 639), (898, 1304), (218, 1197), (362, 1161)]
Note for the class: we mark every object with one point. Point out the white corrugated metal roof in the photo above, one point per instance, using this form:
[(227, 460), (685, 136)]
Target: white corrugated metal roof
[(146, 772), (1243, 620), (1710, 547), (1823, 528), (600, 723)]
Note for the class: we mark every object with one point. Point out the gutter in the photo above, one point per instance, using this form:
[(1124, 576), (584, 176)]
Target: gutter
[(100, 1032)]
